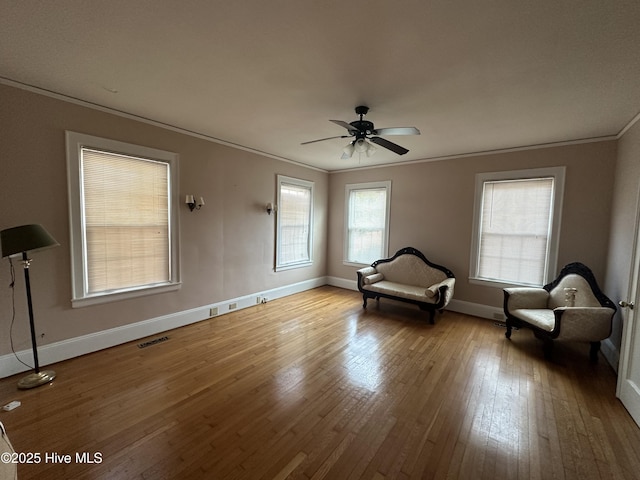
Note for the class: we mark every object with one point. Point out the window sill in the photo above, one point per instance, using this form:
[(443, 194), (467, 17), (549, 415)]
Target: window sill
[(355, 264), (498, 283), (280, 268), (123, 295)]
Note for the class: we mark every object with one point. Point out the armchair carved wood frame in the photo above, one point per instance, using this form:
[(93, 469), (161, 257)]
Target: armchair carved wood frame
[(570, 308)]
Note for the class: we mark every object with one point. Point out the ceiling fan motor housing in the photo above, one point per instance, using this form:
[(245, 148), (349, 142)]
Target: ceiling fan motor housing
[(363, 126)]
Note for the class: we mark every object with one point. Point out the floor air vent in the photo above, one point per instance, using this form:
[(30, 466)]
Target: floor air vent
[(153, 342)]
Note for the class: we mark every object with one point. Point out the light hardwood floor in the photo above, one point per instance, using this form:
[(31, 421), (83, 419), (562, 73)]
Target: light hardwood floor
[(313, 386)]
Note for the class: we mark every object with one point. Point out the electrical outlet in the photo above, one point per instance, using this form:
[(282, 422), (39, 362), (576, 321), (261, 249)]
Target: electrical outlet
[(213, 311), (259, 300), (233, 306)]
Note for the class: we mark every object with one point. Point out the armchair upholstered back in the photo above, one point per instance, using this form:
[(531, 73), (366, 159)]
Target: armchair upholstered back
[(584, 296), (579, 276)]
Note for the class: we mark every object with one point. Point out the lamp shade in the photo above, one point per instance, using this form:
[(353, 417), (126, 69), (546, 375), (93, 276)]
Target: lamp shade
[(348, 150), (24, 238), (360, 145), (371, 150)]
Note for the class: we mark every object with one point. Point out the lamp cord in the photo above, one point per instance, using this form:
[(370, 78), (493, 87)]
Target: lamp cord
[(13, 311)]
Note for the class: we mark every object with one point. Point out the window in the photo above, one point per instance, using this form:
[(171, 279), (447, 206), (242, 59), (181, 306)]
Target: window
[(124, 237), (516, 226), (294, 221), (366, 222)]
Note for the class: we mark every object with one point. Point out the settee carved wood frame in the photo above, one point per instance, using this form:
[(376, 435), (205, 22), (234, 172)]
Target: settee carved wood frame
[(548, 337), (429, 307)]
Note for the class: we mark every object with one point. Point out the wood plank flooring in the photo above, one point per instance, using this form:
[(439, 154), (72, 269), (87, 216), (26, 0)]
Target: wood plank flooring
[(312, 386)]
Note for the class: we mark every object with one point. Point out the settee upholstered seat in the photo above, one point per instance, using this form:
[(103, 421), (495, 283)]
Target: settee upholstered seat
[(572, 308), (409, 277)]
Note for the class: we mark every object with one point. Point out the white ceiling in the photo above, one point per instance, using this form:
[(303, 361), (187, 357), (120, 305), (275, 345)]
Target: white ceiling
[(472, 75)]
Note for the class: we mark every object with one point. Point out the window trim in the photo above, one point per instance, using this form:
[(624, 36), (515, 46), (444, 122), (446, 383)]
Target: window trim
[(558, 173), (74, 144), (280, 180), (386, 184)]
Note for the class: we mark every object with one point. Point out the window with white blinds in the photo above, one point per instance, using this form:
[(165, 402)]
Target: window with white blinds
[(517, 226), (294, 223), (366, 222), (122, 216), (126, 220)]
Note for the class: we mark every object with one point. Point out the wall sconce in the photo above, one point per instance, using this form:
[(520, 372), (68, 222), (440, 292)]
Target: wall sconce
[(191, 203), (271, 208)]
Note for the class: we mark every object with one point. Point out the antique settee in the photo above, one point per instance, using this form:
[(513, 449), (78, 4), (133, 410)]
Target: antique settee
[(572, 308), (409, 277)]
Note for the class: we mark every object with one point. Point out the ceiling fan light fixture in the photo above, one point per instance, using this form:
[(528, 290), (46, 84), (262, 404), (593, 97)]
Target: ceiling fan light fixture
[(371, 150), (348, 150), (361, 145)]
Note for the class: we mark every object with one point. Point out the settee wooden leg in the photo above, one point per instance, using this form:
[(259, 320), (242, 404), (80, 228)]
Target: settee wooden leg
[(508, 332), (364, 301), (432, 314), (593, 352)]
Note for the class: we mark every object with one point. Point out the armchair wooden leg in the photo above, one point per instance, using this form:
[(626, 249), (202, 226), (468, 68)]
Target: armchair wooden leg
[(509, 328), (364, 301), (547, 347), (593, 352)]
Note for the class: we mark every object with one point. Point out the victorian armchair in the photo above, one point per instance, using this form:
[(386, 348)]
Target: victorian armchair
[(572, 308)]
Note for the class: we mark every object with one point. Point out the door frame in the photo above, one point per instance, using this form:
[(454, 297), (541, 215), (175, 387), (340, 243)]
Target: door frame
[(627, 391)]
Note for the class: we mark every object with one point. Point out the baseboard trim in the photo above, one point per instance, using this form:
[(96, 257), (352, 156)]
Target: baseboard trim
[(611, 353), (342, 283), (476, 309), (460, 306), (78, 346)]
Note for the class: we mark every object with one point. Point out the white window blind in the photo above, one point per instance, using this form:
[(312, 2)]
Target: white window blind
[(515, 230), (126, 220), (295, 199), (367, 222)]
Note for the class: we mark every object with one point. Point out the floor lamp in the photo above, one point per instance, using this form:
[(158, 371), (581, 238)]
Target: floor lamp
[(21, 240)]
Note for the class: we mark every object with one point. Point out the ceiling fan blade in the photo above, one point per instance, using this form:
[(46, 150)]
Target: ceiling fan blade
[(346, 125), (397, 131), (323, 139), (389, 145)]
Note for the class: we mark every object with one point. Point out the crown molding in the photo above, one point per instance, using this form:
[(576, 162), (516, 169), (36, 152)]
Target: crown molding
[(149, 121), (631, 123), (486, 152)]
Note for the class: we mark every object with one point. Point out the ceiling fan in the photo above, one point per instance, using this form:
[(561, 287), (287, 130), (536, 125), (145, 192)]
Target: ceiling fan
[(365, 134)]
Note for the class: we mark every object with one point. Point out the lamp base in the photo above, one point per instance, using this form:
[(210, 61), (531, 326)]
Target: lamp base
[(36, 379)]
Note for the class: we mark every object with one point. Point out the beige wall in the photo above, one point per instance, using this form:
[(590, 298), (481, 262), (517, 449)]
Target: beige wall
[(227, 247), (623, 223), (432, 209)]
